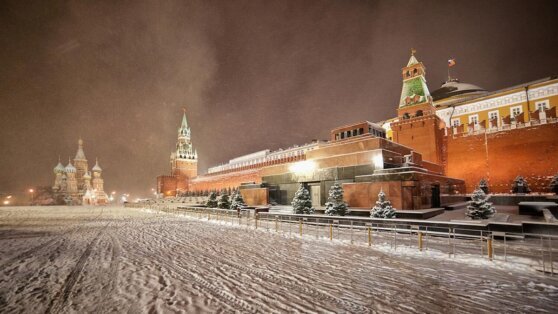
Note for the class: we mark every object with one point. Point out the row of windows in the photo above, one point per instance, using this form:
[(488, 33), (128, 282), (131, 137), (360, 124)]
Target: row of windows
[(359, 131), (347, 134), (514, 111)]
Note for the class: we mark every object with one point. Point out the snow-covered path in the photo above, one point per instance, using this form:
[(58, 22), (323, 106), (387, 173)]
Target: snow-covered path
[(86, 259)]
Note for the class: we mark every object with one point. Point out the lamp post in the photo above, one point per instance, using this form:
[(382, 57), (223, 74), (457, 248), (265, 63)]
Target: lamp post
[(32, 191)]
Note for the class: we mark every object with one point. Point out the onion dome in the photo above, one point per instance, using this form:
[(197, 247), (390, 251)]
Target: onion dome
[(87, 175), (453, 88), (59, 168), (70, 168), (96, 168)]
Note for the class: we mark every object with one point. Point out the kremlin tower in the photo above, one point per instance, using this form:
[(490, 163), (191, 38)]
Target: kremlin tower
[(418, 126), (183, 162)]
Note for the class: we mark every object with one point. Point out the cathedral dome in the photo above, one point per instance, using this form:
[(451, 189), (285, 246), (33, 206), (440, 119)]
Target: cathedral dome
[(70, 168), (96, 168), (59, 168), (455, 88), (87, 175)]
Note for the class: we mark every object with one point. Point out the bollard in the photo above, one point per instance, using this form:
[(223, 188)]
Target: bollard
[(489, 248), (369, 236), (276, 225), (420, 241), (256, 220), (330, 232), (300, 224)]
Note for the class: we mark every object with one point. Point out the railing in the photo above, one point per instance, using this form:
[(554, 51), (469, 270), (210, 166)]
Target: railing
[(442, 238)]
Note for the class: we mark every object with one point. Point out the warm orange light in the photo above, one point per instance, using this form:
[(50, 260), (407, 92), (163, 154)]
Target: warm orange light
[(31, 190)]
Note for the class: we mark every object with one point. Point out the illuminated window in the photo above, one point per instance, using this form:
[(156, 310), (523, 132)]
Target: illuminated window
[(455, 122), (542, 105), (494, 116), (474, 119), (514, 111)]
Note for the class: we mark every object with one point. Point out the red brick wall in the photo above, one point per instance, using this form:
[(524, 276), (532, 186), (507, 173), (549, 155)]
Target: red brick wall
[(530, 152), (166, 185), (223, 181), (423, 134)]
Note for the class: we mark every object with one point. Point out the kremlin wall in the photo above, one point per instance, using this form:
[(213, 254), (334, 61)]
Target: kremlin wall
[(440, 143)]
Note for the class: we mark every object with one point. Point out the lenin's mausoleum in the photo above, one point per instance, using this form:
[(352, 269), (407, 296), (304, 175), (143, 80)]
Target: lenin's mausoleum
[(441, 143)]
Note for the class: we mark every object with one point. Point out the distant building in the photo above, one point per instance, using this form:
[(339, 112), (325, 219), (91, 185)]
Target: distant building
[(75, 185), (442, 142)]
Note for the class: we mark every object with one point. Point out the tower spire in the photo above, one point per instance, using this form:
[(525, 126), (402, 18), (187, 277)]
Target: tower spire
[(414, 89), (80, 155), (184, 121)]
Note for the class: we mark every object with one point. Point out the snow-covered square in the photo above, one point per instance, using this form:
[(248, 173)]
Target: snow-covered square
[(115, 259)]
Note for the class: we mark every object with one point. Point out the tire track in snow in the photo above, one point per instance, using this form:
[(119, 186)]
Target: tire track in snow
[(108, 291), (60, 299)]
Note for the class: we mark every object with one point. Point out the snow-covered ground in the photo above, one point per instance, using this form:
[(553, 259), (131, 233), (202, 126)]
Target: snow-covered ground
[(112, 259)]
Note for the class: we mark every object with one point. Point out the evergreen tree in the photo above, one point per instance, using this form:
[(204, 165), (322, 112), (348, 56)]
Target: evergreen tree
[(224, 200), (483, 185), (520, 186), (237, 200), (301, 202), (383, 208), (554, 184), (335, 205), (478, 207), (212, 200)]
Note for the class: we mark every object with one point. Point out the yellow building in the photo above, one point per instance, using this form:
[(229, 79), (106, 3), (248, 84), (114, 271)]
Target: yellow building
[(468, 108)]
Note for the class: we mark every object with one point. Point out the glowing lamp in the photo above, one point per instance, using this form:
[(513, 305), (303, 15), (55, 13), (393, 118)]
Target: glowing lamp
[(378, 161), (301, 167)]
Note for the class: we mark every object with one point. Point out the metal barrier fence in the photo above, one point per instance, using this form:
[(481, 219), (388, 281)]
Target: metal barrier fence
[(454, 239)]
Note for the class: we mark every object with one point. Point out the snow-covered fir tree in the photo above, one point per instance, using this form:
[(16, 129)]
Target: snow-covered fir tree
[(520, 186), (478, 207), (237, 200), (554, 184), (301, 202), (223, 201), (483, 185), (211, 200), (383, 208), (335, 205)]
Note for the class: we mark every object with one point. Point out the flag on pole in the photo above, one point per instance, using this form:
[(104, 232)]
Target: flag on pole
[(451, 62)]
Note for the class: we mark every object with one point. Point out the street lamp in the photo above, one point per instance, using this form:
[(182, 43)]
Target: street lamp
[(32, 191)]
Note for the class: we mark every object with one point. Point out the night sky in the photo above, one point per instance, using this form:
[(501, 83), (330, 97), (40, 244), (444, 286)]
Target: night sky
[(251, 74)]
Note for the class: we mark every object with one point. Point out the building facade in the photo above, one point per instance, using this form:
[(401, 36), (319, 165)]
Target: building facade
[(439, 143), (74, 184)]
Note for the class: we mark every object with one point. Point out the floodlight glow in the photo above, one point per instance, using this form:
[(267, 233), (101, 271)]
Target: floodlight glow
[(305, 166), (6, 202), (378, 161)]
